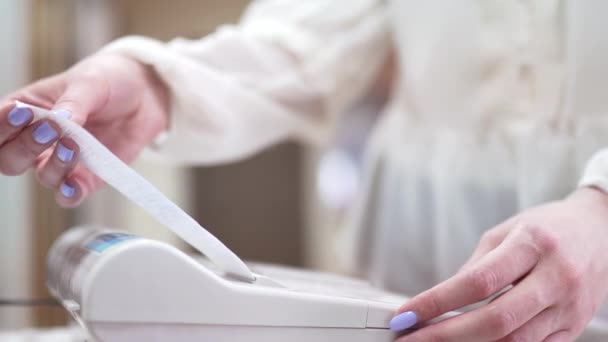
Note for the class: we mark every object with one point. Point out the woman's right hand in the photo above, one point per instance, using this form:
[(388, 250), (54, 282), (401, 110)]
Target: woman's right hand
[(117, 99)]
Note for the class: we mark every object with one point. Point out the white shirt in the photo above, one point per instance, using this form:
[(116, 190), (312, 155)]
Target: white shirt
[(496, 106)]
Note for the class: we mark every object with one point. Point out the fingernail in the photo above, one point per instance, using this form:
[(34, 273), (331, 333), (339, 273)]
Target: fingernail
[(44, 134), (67, 191), (64, 154), (403, 321), (64, 113), (19, 116)]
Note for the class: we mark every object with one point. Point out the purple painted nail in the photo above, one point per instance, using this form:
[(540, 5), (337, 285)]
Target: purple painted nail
[(64, 113), (67, 191), (64, 154), (403, 321), (45, 133), (19, 116)]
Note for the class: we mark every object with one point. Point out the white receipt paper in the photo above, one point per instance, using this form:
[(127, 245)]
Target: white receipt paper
[(102, 162)]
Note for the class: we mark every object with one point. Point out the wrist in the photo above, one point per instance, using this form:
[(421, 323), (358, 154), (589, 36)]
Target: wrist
[(592, 197)]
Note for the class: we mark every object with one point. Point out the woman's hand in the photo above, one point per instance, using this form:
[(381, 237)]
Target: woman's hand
[(118, 100), (556, 258)]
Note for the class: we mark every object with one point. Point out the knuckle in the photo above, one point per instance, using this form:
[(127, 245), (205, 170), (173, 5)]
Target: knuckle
[(502, 322), (529, 249), (489, 236), (571, 275), (484, 282), (543, 239)]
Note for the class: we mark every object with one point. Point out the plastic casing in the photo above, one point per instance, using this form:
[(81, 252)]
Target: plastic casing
[(146, 290)]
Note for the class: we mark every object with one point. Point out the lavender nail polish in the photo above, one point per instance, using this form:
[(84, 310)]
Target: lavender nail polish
[(44, 134), (403, 321), (67, 191), (64, 154), (19, 116)]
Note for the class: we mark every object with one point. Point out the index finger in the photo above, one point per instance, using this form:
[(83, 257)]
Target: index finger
[(12, 121), (499, 268)]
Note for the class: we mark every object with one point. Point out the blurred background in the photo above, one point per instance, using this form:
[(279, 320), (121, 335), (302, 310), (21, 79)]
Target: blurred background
[(284, 205)]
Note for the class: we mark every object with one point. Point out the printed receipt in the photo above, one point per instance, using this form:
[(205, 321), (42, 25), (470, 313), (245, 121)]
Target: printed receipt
[(102, 162)]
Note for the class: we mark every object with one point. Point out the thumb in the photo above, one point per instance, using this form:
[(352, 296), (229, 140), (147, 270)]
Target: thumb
[(81, 98)]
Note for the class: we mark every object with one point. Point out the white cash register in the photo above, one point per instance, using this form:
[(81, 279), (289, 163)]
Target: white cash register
[(123, 288)]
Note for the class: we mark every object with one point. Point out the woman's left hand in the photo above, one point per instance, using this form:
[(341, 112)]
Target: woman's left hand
[(556, 258)]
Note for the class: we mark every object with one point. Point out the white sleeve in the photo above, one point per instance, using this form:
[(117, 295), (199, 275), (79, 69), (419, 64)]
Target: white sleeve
[(285, 71), (596, 171)]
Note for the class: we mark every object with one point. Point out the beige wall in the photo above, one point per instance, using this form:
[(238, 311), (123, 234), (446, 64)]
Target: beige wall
[(187, 18)]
